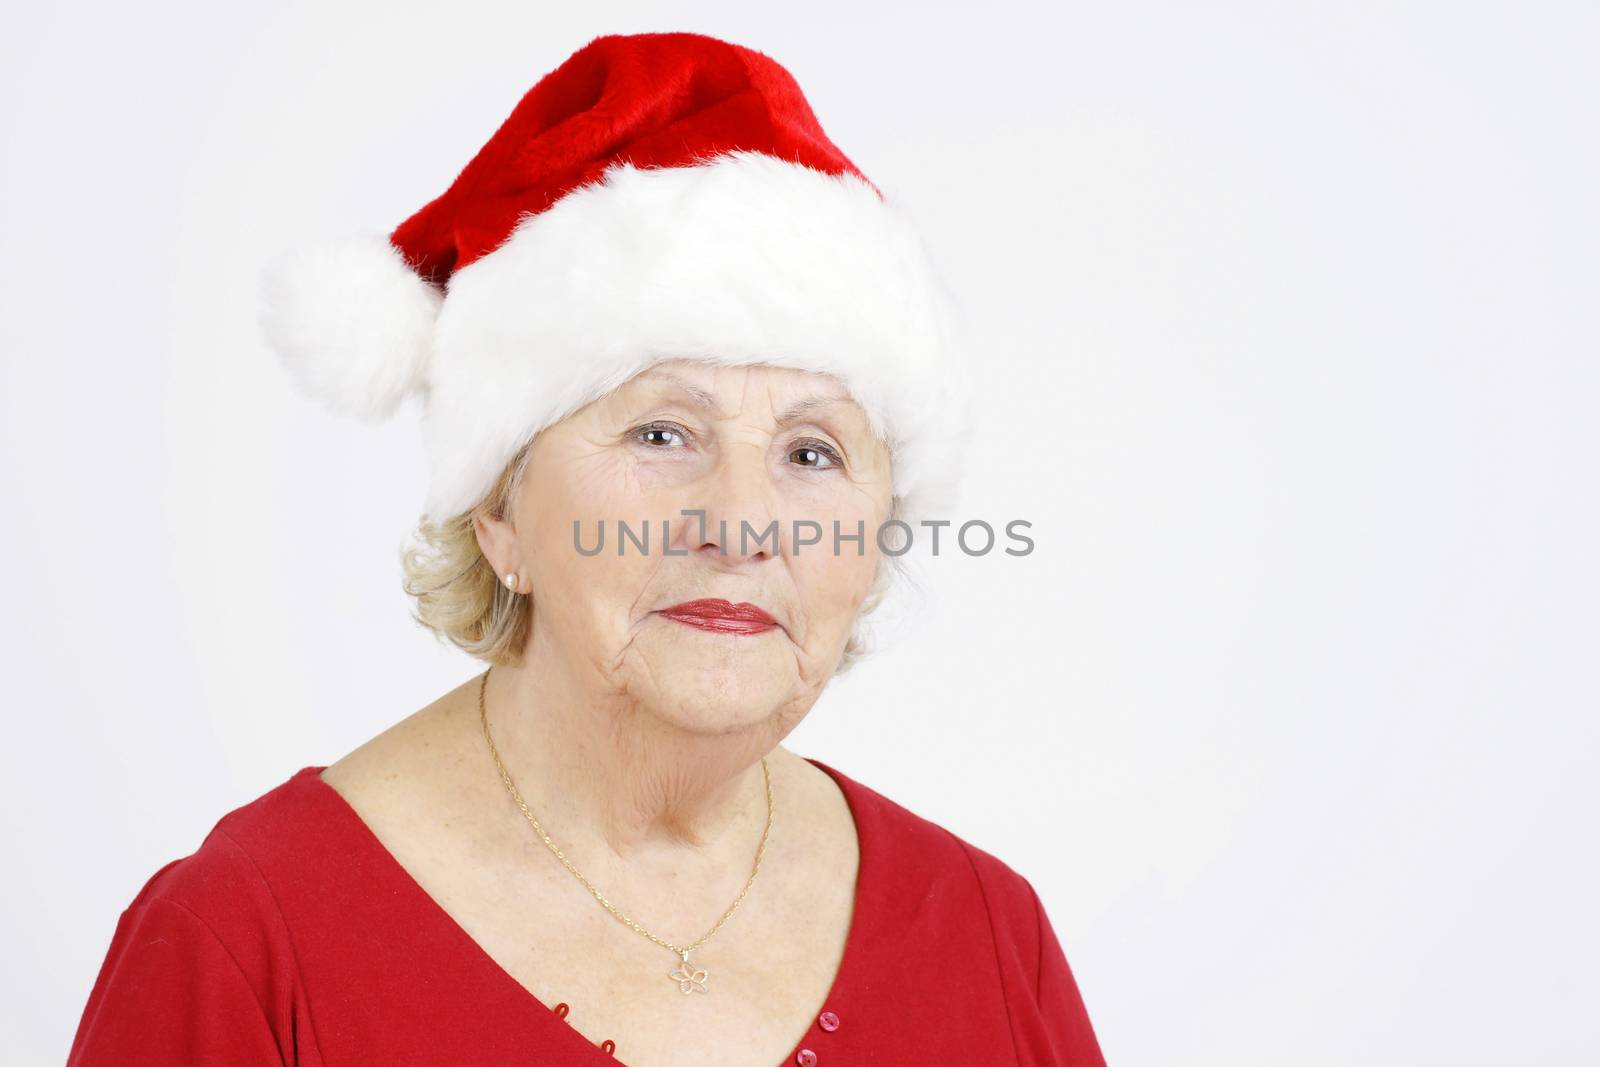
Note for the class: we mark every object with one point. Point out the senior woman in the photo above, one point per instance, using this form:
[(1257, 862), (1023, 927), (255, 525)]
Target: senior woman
[(658, 295)]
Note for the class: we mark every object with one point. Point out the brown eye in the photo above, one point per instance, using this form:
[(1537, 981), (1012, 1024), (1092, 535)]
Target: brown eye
[(816, 454)]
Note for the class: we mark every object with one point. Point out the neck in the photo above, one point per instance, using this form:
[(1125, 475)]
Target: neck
[(599, 766)]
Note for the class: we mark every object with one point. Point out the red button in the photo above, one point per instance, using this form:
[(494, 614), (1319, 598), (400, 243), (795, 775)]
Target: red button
[(828, 1020), (806, 1058)]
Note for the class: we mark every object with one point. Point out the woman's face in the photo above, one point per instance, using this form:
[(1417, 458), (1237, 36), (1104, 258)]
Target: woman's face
[(748, 444)]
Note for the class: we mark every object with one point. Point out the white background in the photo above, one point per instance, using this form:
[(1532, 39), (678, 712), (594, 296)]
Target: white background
[(1288, 313)]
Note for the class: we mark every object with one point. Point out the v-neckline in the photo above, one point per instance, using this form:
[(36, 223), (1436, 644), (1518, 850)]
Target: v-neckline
[(542, 1014)]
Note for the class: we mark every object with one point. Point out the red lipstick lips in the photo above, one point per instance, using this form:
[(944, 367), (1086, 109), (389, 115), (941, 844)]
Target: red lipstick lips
[(719, 616)]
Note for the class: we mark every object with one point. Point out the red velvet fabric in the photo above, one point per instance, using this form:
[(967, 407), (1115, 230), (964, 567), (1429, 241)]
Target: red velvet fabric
[(293, 936), (649, 99)]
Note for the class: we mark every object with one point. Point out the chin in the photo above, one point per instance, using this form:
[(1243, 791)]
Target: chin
[(712, 720), (723, 685)]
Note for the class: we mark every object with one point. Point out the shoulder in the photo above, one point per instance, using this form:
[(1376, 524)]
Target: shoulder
[(302, 831), (916, 845), (201, 967), (226, 884), (927, 874)]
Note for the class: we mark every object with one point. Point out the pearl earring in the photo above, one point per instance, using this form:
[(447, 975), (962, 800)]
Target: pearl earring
[(511, 582)]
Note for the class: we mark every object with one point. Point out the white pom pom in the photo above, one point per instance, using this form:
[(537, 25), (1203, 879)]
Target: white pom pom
[(352, 322)]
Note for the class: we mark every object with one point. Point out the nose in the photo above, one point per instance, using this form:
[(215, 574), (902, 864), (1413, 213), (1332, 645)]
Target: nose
[(737, 490)]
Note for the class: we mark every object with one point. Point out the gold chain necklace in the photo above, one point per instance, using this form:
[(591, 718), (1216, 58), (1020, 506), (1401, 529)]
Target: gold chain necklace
[(688, 979)]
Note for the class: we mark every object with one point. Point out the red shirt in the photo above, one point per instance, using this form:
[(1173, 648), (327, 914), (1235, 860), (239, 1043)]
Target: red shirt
[(293, 936)]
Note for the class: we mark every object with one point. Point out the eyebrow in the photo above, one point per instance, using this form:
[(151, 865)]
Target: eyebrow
[(707, 402)]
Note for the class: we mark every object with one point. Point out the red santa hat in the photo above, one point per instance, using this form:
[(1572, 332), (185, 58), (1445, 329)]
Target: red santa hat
[(657, 196)]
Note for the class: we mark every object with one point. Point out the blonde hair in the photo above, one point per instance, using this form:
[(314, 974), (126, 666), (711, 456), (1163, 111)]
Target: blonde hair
[(462, 600)]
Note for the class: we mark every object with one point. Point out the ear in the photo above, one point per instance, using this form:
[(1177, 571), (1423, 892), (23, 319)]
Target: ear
[(497, 540)]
